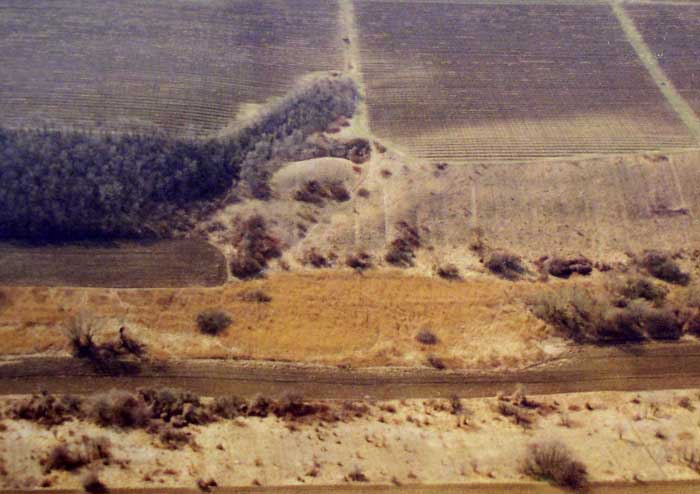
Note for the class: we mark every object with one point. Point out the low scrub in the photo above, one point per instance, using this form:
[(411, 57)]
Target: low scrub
[(315, 192), (75, 455), (449, 272), (564, 268), (427, 337), (123, 409), (255, 296), (506, 265), (553, 461), (662, 266), (359, 262), (642, 288), (213, 322), (47, 409)]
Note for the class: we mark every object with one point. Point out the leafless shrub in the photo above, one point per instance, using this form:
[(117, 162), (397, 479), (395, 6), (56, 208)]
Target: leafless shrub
[(229, 407), (174, 439), (260, 406), (362, 192), (505, 265), (48, 409), (520, 416), (78, 454), (552, 460), (359, 262), (206, 485), (255, 296), (118, 408), (661, 324), (385, 173), (293, 406), (427, 337), (213, 322), (315, 192), (92, 484), (449, 272), (684, 402), (436, 362), (662, 266)]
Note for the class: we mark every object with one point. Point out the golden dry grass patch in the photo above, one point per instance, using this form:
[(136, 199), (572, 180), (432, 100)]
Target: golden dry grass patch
[(325, 317)]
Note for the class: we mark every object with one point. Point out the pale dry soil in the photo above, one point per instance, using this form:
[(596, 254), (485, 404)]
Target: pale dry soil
[(618, 436)]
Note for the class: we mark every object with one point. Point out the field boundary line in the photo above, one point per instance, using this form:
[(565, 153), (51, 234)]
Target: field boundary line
[(674, 98)]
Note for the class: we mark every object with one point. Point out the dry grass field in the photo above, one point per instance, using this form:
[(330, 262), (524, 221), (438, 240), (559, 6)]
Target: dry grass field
[(185, 67), (671, 31), (330, 318), (478, 81), (122, 264)]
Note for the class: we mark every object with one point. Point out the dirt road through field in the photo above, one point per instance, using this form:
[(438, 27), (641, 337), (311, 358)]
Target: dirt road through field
[(663, 366)]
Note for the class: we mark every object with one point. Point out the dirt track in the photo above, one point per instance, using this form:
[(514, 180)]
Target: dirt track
[(174, 263), (657, 487), (663, 366)]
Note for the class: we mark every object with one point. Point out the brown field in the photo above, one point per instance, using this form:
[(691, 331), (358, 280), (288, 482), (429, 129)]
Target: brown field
[(472, 82), (331, 318), (671, 31), (126, 265), (184, 66)]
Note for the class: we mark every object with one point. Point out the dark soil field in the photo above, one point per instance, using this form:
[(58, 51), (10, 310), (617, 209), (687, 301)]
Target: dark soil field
[(508, 81), (185, 67), (671, 31), (126, 265)]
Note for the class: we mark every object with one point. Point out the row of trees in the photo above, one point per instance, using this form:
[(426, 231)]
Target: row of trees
[(59, 185)]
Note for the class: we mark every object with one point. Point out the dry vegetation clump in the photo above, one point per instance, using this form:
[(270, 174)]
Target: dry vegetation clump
[(229, 407), (359, 262), (357, 475), (586, 318), (312, 257), (176, 407), (642, 288), (75, 455), (47, 409), (255, 247), (662, 266), (206, 485), (402, 249), (449, 272), (293, 406), (381, 148), (175, 439), (119, 408), (255, 296), (552, 460), (427, 337), (213, 322), (564, 268), (362, 192), (690, 456), (108, 356), (506, 265), (315, 192)]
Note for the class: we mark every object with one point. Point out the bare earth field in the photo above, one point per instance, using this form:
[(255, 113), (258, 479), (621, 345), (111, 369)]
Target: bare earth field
[(671, 32), (508, 81), (618, 436), (185, 67), (123, 264)]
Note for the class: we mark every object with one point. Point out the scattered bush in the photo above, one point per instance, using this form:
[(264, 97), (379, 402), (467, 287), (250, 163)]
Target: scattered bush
[(174, 439), (213, 322), (662, 324), (564, 268), (449, 272), (359, 262), (505, 265), (552, 460), (48, 409), (229, 407), (314, 258), (362, 192), (358, 475), (108, 185), (662, 266), (426, 337), (177, 407), (293, 406), (402, 249), (255, 296), (381, 148)]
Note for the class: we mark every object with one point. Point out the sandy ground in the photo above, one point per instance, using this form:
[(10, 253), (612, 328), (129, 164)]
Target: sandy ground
[(329, 317), (618, 436)]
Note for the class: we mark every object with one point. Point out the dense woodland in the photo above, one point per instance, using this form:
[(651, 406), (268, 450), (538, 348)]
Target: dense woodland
[(63, 185)]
